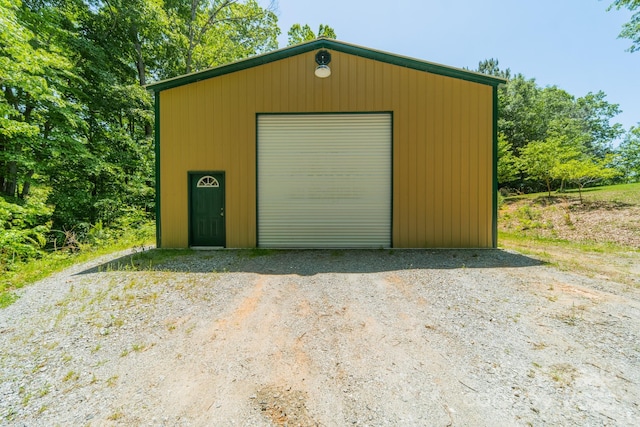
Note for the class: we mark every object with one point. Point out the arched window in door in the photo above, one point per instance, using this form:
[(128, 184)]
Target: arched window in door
[(207, 182)]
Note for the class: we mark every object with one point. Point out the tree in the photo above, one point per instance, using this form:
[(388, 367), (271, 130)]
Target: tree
[(631, 29), (629, 155), (35, 114), (583, 171), (491, 67), (508, 169), (75, 117), (541, 158), (521, 109), (529, 113), (129, 33), (111, 51), (595, 114), (302, 33), (205, 33)]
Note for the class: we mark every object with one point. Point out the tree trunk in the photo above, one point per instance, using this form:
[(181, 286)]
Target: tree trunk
[(142, 73), (3, 170), (93, 212), (142, 78), (11, 182), (26, 187), (580, 193)]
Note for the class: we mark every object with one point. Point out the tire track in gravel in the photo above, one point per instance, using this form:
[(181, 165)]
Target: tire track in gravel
[(427, 341), (247, 349)]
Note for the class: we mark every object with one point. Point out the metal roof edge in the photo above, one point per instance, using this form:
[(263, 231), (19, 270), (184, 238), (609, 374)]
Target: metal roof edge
[(409, 62), (322, 42)]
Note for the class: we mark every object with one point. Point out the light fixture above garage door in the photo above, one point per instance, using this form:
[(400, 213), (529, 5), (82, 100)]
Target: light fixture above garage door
[(323, 58)]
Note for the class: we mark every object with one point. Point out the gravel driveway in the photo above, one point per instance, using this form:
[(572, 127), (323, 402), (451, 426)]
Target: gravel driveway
[(328, 338)]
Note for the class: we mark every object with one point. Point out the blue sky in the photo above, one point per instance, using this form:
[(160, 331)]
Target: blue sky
[(572, 44)]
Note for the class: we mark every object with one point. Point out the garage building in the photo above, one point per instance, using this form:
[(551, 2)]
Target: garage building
[(327, 145)]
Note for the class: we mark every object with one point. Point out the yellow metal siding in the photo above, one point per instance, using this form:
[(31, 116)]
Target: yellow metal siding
[(442, 137)]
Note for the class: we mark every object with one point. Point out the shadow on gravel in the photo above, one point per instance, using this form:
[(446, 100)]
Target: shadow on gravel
[(310, 262)]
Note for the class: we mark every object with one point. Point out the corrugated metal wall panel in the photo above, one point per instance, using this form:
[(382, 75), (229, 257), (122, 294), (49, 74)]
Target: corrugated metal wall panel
[(442, 173), (324, 180)]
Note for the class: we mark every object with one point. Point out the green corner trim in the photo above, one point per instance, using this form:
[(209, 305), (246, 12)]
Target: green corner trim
[(157, 162), (494, 226), (338, 46)]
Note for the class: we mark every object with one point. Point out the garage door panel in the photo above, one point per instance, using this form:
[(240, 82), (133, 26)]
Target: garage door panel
[(324, 180)]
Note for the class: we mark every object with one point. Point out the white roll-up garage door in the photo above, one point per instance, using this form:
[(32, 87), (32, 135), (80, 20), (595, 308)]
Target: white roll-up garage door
[(324, 180)]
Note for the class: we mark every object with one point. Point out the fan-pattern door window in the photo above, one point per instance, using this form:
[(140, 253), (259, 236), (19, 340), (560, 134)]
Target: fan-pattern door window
[(208, 181)]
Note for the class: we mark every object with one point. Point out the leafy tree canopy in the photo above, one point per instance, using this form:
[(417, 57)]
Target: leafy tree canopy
[(629, 155), (541, 158), (492, 67), (205, 33), (302, 33), (631, 29), (508, 165), (584, 170), (534, 115)]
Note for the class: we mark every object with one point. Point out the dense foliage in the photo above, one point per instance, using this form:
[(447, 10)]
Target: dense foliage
[(549, 139), (75, 119), (302, 33)]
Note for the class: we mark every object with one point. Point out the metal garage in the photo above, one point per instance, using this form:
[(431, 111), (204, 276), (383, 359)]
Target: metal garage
[(324, 180), (327, 145)]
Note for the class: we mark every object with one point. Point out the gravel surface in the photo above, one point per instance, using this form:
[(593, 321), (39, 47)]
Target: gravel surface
[(327, 338)]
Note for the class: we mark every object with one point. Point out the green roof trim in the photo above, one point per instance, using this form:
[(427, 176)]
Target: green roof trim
[(338, 46)]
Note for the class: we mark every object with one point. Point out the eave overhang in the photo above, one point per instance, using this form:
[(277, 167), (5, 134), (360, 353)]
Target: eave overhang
[(330, 44)]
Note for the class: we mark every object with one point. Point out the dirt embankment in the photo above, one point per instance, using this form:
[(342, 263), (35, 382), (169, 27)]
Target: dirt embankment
[(566, 218)]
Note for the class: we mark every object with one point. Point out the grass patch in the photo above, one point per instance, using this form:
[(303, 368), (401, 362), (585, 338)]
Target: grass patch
[(137, 348), (71, 376), (594, 259), (622, 193), (574, 316), (517, 239), (35, 270), (257, 252), (563, 374), (117, 415), (112, 381), (598, 238), (146, 260), (7, 297)]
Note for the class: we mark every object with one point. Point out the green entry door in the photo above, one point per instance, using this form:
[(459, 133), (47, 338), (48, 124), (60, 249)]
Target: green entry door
[(206, 209)]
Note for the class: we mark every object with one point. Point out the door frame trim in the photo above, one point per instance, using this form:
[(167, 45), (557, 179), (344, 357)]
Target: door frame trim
[(224, 201)]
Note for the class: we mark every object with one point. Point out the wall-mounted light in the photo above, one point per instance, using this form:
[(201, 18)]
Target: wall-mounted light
[(323, 58)]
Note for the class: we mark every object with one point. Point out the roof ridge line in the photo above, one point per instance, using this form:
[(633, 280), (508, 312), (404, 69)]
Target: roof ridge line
[(327, 43)]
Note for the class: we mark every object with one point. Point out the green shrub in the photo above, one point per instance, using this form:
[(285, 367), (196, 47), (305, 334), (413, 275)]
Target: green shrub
[(24, 227)]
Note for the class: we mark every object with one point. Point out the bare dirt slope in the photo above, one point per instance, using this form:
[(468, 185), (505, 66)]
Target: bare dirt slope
[(566, 218), (329, 338)]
